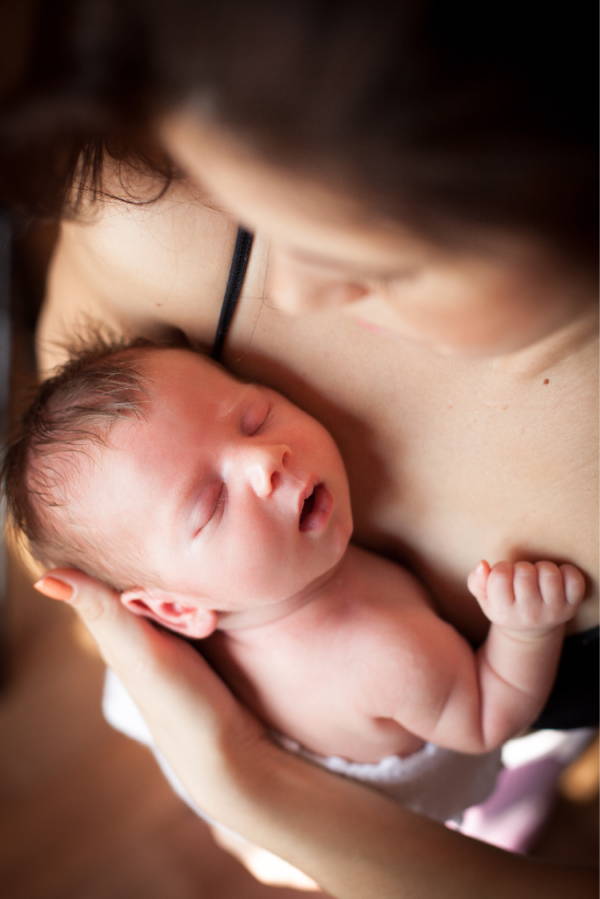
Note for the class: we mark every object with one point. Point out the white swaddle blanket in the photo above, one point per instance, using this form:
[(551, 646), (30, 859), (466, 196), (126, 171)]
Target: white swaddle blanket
[(436, 782)]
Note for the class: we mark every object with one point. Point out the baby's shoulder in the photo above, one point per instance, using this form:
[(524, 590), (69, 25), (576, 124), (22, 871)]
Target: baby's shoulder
[(384, 613), (380, 584)]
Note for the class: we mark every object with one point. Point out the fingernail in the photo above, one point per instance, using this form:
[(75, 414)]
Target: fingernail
[(55, 589)]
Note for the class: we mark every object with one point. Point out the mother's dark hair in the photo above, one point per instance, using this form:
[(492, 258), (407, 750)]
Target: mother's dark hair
[(449, 117), (75, 86)]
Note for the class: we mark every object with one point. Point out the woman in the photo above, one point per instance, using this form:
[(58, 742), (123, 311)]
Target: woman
[(427, 212)]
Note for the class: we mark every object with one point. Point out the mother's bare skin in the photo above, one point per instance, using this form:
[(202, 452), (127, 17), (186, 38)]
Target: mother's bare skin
[(450, 459)]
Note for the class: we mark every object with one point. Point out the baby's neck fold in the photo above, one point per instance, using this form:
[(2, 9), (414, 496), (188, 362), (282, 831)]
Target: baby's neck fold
[(260, 616)]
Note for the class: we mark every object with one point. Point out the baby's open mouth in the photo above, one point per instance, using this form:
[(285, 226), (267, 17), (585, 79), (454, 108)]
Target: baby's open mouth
[(315, 508)]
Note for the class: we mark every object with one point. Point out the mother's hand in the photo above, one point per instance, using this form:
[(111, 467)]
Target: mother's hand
[(194, 720), (207, 738)]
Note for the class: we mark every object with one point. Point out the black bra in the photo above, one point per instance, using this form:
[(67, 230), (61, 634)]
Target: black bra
[(235, 281), (574, 700)]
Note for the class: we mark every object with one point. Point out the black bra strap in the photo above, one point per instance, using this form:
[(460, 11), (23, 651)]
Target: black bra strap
[(237, 273)]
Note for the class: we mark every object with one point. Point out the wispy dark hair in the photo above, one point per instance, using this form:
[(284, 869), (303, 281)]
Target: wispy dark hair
[(102, 383), (73, 91), (450, 118)]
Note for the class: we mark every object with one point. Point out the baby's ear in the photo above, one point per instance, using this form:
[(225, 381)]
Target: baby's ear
[(183, 614)]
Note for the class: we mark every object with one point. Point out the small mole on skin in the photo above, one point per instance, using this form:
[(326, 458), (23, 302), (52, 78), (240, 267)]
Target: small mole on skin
[(546, 380)]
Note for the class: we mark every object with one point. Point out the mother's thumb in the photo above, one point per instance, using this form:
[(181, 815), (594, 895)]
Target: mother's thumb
[(90, 598), (127, 642)]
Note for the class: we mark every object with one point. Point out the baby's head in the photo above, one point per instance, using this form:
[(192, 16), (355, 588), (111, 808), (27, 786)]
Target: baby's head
[(189, 491)]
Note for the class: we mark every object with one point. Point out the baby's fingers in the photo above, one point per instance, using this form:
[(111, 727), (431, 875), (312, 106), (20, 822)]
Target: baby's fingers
[(574, 582), (560, 585), (477, 580)]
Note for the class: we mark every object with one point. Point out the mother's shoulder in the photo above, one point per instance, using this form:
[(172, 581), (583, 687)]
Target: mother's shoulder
[(146, 253)]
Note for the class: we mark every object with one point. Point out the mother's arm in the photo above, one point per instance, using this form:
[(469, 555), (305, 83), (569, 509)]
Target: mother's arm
[(354, 842)]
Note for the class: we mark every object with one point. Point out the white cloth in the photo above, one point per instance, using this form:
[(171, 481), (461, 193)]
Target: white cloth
[(436, 782)]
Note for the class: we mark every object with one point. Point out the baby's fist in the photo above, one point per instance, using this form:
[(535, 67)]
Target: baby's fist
[(525, 596)]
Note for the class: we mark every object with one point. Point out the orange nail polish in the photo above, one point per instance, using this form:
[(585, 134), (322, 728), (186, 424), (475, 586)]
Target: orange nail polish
[(55, 589)]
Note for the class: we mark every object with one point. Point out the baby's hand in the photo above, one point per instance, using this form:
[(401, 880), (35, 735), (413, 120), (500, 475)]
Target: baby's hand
[(525, 596)]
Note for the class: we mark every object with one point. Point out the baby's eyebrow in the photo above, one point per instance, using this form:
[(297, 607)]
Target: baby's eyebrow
[(186, 492), (186, 497), (236, 401)]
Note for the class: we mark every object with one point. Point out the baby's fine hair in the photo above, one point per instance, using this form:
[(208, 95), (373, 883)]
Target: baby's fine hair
[(102, 382)]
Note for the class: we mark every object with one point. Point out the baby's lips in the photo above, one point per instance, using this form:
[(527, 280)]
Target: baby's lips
[(317, 509), (305, 493)]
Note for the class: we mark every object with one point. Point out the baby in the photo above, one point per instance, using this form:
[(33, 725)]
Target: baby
[(220, 510)]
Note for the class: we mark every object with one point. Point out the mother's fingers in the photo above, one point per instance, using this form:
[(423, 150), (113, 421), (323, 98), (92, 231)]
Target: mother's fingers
[(121, 637), (207, 738), (173, 686)]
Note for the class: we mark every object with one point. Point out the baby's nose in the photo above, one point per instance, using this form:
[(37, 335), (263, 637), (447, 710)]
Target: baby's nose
[(264, 468)]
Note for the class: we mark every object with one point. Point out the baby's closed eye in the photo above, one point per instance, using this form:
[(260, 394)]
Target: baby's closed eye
[(255, 415), (210, 503)]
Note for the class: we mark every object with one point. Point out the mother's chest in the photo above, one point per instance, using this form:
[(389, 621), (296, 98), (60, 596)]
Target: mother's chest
[(449, 460)]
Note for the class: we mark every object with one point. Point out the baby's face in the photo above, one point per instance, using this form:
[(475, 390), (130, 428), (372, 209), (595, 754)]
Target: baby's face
[(224, 490)]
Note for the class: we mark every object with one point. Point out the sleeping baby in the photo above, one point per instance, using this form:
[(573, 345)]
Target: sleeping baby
[(220, 510)]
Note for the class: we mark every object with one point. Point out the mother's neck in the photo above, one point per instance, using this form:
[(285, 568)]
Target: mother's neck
[(555, 348)]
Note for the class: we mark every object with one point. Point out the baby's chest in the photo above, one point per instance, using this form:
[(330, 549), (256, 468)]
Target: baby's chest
[(320, 685)]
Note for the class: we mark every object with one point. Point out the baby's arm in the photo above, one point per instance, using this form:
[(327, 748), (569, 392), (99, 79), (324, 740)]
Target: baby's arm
[(443, 692), (528, 606)]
